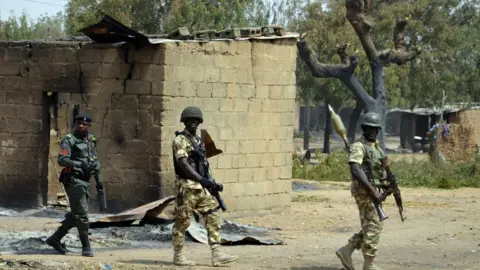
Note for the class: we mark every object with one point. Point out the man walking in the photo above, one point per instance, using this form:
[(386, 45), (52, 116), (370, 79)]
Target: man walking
[(78, 156), (192, 190), (367, 162)]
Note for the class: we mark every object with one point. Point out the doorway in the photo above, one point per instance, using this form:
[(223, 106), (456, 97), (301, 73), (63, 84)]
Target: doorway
[(58, 123)]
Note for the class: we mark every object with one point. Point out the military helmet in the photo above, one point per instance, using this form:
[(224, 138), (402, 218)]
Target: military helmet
[(371, 119), (191, 112)]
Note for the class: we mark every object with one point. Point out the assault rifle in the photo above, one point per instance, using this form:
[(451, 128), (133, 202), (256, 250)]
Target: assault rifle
[(201, 154), (210, 151), (101, 197), (391, 189)]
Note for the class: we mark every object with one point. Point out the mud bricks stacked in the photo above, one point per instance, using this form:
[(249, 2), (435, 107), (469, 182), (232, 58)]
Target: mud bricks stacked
[(247, 92), (245, 88)]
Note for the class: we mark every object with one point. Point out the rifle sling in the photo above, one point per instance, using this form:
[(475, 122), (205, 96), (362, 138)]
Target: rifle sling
[(200, 168)]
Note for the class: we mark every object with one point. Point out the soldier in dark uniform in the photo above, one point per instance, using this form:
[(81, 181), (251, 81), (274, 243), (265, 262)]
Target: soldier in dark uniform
[(78, 156)]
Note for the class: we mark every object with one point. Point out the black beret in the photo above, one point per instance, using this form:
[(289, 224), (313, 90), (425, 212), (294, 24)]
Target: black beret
[(83, 117)]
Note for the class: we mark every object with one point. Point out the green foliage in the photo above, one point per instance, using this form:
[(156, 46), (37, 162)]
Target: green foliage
[(332, 168), (23, 28), (446, 31), (164, 16), (443, 175), (411, 174)]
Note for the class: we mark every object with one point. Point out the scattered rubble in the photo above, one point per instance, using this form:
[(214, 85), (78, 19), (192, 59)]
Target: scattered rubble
[(304, 186), (61, 201), (148, 226)]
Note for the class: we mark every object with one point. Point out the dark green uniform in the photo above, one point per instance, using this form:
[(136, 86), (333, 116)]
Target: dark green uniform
[(78, 156), (74, 152)]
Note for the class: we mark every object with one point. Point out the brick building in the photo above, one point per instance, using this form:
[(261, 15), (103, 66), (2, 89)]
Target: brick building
[(246, 88)]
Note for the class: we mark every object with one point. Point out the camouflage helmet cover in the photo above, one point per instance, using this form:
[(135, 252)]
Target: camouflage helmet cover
[(371, 119), (191, 112)]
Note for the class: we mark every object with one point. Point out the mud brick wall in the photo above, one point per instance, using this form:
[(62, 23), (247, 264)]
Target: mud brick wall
[(23, 136), (245, 88), (247, 92)]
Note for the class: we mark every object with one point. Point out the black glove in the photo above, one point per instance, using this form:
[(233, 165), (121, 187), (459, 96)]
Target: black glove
[(99, 186), (219, 187), (87, 167), (207, 183)]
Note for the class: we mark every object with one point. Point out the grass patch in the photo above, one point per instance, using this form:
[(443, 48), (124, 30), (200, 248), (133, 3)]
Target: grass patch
[(309, 198), (420, 173)]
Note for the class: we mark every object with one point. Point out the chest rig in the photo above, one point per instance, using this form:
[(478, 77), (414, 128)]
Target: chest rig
[(196, 158), (372, 165)]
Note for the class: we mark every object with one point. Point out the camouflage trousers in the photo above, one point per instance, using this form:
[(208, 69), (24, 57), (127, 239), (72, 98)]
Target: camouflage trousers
[(368, 237), (189, 199)]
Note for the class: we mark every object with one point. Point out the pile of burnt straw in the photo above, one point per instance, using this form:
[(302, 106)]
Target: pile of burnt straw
[(459, 144)]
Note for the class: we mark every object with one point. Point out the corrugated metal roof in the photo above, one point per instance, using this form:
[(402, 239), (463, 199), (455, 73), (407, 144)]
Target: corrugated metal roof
[(438, 111)]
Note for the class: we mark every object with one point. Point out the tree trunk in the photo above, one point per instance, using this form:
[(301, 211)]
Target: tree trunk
[(379, 94), (352, 125), (328, 130), (306, 129)]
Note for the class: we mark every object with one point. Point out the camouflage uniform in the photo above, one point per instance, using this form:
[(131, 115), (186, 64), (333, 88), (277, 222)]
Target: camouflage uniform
[(368, 154), (191, 196), (364, 152)]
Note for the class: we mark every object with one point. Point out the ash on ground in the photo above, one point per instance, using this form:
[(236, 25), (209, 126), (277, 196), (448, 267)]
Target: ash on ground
[(114, 237)]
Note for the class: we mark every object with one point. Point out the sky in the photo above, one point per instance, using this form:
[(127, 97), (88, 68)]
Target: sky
[(34, 8)]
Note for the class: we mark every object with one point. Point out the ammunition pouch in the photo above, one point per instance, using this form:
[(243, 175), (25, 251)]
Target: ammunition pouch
[(197, 159), (179, 199), (65, 175)]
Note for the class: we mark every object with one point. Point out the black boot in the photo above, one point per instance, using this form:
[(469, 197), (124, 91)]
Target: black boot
[(54, 240), (83, 235)]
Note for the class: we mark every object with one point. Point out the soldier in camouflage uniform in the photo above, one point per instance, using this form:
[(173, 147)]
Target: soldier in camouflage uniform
[(192, 193), (367, 162), (79, 158)]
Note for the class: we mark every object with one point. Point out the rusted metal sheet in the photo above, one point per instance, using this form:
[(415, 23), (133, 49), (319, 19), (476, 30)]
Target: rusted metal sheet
[(234, 234), (210, 148), (149, 213), (109, 30)]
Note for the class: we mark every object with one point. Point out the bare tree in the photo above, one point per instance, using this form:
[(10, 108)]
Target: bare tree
[(357, 14)]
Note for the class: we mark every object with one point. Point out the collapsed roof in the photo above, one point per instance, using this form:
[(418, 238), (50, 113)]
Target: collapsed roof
[(109, 30)]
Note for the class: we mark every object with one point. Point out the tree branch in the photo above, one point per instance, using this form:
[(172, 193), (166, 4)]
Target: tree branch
[(321, 70), (342, 52), (352, 83), (356, 15), (399, 55), (357, 89), (344, 72)]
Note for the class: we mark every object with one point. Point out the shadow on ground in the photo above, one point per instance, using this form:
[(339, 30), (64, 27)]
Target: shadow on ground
[(316, 268)]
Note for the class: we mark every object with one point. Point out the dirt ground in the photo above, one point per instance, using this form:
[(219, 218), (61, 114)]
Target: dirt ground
[(441, 232)]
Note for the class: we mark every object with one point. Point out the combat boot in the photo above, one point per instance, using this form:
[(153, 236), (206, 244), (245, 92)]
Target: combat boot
[(54, 240), (221, 258), (179, 259), (369, 264), (345, 255), (83, 235)]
